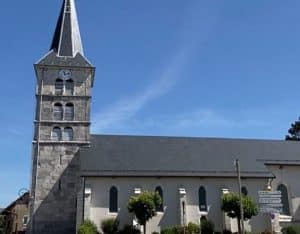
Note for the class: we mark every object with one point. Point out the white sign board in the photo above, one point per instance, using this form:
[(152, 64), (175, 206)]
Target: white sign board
[(270, 201), (272, 205), (277, 192), (269, 195), (270, 209)]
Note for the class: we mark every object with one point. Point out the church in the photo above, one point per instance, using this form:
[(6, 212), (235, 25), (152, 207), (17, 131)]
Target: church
[(78, 176)]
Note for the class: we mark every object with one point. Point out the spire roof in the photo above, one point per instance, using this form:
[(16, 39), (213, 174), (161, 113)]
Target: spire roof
[(67, 40)]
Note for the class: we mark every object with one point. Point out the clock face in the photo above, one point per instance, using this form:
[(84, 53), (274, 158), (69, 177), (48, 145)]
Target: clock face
[(65, 74)]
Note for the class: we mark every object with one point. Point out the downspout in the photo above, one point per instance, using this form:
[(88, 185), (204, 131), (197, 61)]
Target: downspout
[(83, 198)]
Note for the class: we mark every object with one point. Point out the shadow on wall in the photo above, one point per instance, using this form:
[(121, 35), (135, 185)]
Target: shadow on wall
[(57, 212), (296, 216), (170, 216)]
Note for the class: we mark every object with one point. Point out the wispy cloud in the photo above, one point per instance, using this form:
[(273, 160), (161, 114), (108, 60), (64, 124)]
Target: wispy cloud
[(196, 120), (129, 106), (195, 32), (205, 118), (209, 122)]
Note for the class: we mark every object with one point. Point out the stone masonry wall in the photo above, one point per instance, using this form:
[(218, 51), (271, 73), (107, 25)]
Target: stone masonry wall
[(56, 187), (55, 170)]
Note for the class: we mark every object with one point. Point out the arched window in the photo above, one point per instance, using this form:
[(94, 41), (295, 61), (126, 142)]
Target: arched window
[(59, 87), (58, 111), (159, 190), (69, 87), (284, 199), (202, 199), (69, 112), (113, 200), (68, 134), (244, 190), (56, 134)]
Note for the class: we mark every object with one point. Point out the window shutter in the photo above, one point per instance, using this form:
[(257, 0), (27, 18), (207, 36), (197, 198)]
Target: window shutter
[(57, 111), (69, 112), (69, 87), (59, 87), (68, 134), (56, 134)]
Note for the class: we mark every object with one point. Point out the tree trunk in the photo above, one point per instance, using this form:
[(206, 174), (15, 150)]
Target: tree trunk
[(239, 225), (144, 228)]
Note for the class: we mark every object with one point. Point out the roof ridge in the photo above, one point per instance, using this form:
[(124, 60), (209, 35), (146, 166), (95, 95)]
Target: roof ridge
[(189, 137)]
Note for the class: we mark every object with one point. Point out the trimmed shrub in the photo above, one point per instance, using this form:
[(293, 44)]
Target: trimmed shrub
[(207, 227), (193, 228), (173, 230), (168, 230), (266, 231), (110, 226), (225, 231), (292, 229), (88, 227), (129, 229), (144, 206)]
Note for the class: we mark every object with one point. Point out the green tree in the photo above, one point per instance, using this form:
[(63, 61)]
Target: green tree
[(294, 132), (231, 206), (144, 206), (87, 227)]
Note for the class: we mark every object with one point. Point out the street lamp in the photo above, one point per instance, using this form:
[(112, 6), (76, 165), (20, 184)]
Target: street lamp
[(237, 166)]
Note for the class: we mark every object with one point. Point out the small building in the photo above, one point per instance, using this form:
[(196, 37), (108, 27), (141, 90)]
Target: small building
[(16, 215)]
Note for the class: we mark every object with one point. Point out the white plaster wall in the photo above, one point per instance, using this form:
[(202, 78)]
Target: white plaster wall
[(289, 176), (99, 202)]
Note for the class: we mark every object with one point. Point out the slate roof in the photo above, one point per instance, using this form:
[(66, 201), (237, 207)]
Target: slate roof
[(111, 155), (67, 40), (23, 199)]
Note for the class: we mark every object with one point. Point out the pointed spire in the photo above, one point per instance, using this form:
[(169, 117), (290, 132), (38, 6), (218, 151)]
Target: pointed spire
[(67, 40)]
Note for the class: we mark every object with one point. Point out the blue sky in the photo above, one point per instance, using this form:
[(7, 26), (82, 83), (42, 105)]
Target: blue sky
[(213, 68)]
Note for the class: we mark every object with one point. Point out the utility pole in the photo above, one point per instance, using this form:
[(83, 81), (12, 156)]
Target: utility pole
[(237, 166)]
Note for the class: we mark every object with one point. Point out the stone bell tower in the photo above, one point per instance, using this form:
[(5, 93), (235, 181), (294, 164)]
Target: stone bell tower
[(61, 127)]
